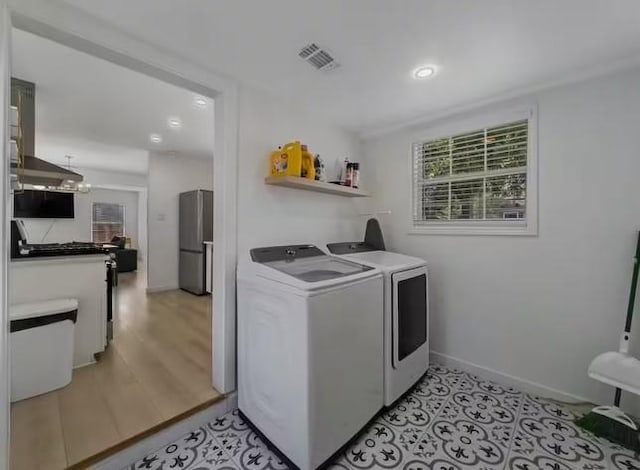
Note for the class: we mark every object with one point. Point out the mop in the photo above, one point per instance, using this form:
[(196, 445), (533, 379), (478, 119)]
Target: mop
[(621, 371)]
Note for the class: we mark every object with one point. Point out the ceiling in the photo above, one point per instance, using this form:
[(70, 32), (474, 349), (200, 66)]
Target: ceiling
[(483, 48), (102, 114)]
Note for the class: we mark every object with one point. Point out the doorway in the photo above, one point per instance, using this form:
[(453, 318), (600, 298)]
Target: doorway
[(139, 58)]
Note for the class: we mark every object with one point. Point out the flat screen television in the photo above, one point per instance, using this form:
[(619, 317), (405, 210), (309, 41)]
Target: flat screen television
[(43, 205)]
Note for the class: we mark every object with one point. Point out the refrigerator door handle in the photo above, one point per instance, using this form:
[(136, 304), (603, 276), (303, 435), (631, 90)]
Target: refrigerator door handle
[(199, 217)]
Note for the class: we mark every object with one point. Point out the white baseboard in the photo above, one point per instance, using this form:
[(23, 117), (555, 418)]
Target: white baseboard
[(167, 436), (84, 365), (152, 290), (516, 382)]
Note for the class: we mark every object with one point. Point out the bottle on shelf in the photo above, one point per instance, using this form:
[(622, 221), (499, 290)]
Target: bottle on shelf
[(343, 171), (355, 174), (321, 174), (349, 179)]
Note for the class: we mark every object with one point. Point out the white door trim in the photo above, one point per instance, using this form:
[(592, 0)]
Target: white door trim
[(5, 61), (76, 29)]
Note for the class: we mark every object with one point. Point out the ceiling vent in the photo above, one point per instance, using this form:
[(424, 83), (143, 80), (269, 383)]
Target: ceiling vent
[(319, 58)]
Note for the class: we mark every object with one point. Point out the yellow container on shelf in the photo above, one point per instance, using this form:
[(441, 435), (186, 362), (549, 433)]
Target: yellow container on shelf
[(288, 160), (279, 162), (308, 169)]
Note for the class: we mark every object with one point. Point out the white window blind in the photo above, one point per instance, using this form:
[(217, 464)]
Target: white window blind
[(107, 222), (472, 177)]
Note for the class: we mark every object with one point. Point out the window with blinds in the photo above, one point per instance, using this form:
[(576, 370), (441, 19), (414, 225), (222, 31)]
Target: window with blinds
[(474, 177), (107, 222)]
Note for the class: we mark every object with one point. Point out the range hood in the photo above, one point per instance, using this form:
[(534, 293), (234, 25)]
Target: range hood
[(32, 170), (35, 171)]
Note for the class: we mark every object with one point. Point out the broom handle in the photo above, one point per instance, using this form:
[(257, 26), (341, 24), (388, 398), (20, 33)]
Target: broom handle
[(632, 299), (617, 398), (634, 286)]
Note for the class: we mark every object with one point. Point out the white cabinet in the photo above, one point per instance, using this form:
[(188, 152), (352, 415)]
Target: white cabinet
[(81, 277)]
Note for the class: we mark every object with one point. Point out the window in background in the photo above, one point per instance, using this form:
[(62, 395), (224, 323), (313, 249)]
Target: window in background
[(107, 222), (473, 182)]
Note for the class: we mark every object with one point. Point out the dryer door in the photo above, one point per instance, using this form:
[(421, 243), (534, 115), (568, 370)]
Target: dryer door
[(410, 312)]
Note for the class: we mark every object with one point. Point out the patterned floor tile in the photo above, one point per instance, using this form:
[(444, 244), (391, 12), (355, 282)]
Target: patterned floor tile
[(454, 378), (487, 409), (214, 455), (433, 385), (451, 420), (228, 427), (547, 429), (206, 466), (183, 453), (377, 447), (250, 452), (467, 443), (622, 459), (559, 442), (411, 411)]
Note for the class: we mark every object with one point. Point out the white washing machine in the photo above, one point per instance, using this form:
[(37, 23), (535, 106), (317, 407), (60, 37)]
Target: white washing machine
[(310, 349), (406, 307)]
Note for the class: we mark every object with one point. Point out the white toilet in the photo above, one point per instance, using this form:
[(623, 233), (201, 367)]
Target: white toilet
[(41, 343)]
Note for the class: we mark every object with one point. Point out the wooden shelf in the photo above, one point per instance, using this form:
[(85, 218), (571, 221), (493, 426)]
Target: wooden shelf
[(317, 186)]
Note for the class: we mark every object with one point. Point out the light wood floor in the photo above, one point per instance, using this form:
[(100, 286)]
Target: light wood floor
[(157, 367)]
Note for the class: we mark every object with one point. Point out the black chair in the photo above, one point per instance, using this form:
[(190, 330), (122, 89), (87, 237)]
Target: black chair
[(126, 258)]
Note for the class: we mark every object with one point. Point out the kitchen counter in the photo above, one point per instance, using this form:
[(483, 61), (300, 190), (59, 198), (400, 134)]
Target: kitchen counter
[(80, 277), (61, 258)]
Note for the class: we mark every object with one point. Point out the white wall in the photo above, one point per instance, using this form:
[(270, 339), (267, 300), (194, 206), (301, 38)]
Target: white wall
[(269, 215), (79, 228), (169, 175), (538, 308), (98, 177), (90, 153)]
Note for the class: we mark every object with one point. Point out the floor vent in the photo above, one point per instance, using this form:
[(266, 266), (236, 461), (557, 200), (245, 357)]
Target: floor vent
[(319, 58)]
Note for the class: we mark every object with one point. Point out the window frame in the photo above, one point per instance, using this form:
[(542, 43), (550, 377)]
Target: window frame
[(124, 219), (451, 127)]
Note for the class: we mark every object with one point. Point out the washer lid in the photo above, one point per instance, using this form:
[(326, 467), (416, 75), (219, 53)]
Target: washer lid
[(318, 268), (386, 260), (304, 267)]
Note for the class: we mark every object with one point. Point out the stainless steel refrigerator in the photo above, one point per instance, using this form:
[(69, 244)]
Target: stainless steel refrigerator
[(196, 227)]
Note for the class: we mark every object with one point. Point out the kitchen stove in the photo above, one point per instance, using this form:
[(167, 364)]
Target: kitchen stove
[(21, 248), (60, 249)]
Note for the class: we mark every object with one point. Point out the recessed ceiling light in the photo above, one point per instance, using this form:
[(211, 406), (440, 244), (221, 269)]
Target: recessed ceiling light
[(200, 102), (155, 138), (174, 123), (424, 71)]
